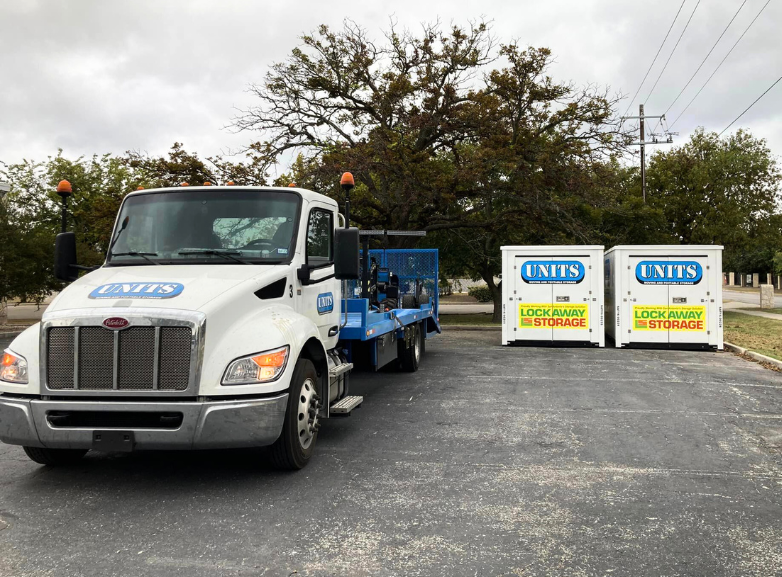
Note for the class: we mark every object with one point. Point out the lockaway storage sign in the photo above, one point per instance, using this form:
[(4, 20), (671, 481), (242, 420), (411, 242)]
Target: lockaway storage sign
[(553, 315), (669, 318)]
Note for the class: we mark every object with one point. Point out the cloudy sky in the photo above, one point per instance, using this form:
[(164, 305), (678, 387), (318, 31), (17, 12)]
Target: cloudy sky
[(108, 76)]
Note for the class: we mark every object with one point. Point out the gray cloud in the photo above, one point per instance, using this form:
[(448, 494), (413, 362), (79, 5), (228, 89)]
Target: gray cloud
[(108, 76)]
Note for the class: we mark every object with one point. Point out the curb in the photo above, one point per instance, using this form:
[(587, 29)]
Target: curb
[(470, 328), (753, 355)]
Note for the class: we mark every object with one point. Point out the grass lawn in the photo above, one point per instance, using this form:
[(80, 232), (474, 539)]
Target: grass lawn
[(757, 334), (473, 319)]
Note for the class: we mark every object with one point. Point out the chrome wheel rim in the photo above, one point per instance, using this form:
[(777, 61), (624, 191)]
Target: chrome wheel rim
[(307, 415), (417, 345)]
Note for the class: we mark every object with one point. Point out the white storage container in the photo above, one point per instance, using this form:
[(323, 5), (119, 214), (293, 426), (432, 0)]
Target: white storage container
[(552, 293), (665, 296)]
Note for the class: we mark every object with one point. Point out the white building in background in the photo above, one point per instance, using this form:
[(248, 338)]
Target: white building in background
[(5, 188)]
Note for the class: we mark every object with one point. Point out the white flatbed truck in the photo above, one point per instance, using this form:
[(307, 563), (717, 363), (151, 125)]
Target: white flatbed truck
[(218, 320)]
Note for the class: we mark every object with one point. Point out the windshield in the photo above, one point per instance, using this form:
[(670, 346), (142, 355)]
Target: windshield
[(225, 226)]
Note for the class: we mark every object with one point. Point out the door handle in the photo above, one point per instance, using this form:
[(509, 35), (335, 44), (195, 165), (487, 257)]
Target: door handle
[(333, 330)]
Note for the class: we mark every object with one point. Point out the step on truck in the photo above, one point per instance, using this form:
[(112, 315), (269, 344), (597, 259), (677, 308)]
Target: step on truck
[(223, 317)]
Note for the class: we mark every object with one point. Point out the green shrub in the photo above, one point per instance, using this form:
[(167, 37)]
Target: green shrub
[(481, 293)]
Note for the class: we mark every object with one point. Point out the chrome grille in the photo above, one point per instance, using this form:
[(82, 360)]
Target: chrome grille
[(96, 359), (60, 358), (174, 358), (136, 359), (139, 358)]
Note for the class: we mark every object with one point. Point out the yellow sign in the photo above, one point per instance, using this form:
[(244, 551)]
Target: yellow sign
[(554, 316), (669, 318)]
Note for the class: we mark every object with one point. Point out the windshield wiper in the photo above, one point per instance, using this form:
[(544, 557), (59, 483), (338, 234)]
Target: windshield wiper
[(223, 253), (144, 255)]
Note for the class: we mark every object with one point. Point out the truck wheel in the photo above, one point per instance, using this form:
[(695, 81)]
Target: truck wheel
[(54, 457), (293, 449), (409, 302), (411, 356)]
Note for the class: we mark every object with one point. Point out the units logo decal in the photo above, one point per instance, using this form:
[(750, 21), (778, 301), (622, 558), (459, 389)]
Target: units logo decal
[(138, 290), (556, 316), (661, 272), (552, 272), (669, 318), (325, 303)]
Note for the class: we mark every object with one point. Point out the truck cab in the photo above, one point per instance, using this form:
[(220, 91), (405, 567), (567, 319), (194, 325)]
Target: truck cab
[(213, 323)]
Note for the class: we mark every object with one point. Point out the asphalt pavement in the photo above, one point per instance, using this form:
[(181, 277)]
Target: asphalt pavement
[(487, 461)]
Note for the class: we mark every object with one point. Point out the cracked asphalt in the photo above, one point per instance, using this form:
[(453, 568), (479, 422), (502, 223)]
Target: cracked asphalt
[(487, 461)]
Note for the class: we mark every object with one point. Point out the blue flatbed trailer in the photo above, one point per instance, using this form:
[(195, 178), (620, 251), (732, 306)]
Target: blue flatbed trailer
[(416, 269)]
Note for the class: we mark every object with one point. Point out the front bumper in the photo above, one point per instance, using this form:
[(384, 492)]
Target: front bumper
[(204, 425)]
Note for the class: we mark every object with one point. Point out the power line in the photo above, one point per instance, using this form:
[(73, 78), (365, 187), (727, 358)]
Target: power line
[(655, 58), (720, 64), (750, 106), (706, 58), (672, 51)]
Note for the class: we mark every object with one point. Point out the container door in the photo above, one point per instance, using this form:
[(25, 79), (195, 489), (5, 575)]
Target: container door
[(647, 298), (571, 284), (533, 298), (688, 307)]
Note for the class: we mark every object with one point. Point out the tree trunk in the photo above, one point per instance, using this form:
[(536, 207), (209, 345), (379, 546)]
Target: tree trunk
[(496, 295)]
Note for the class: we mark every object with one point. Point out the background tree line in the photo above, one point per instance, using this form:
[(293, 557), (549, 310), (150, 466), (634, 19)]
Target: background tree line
[(449, 131)]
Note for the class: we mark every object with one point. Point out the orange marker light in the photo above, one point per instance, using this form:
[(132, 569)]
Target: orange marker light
[(64, 188), (292, 185), (347, 180), (184, 184), (229, 183), (207, 184), (8, 360), (139, 188), (275, 360)]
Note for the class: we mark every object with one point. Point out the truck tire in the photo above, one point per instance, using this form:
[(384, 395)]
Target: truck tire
[(293, 449), (411, 356), (409, 302), (54, 457)]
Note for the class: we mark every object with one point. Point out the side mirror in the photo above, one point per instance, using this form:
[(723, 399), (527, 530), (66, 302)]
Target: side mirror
[(346, 253), (303, 274), (65, 257)]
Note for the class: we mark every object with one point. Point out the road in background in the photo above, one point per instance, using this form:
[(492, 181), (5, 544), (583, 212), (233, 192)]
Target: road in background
[(752, 298), (488, 461)]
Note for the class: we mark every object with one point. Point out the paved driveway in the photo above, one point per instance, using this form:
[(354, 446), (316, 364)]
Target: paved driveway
[(488, 461)]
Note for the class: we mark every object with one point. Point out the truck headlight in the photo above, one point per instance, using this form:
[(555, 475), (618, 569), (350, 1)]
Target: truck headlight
[(13, 369), (258, 368)]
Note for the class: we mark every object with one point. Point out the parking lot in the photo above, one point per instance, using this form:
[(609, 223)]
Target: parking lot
[(487, 461)]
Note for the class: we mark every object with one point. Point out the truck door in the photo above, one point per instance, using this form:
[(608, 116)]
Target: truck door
[(320, 299), (572, 299), (647, 299), (533, 298), (688, 304)]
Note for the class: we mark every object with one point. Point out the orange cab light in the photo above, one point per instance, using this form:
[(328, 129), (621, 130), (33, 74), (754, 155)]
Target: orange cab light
[(64, 187), (292, 185), (139, 188), (8, 360), (347, 179), (207, 183), (185, 184), (229, 183)]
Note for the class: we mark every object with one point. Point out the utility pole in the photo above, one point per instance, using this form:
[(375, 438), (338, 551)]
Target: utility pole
[(642, 142)]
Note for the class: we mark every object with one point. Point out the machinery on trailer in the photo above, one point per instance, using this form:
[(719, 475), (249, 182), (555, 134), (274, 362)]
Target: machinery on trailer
[(223, 316)]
